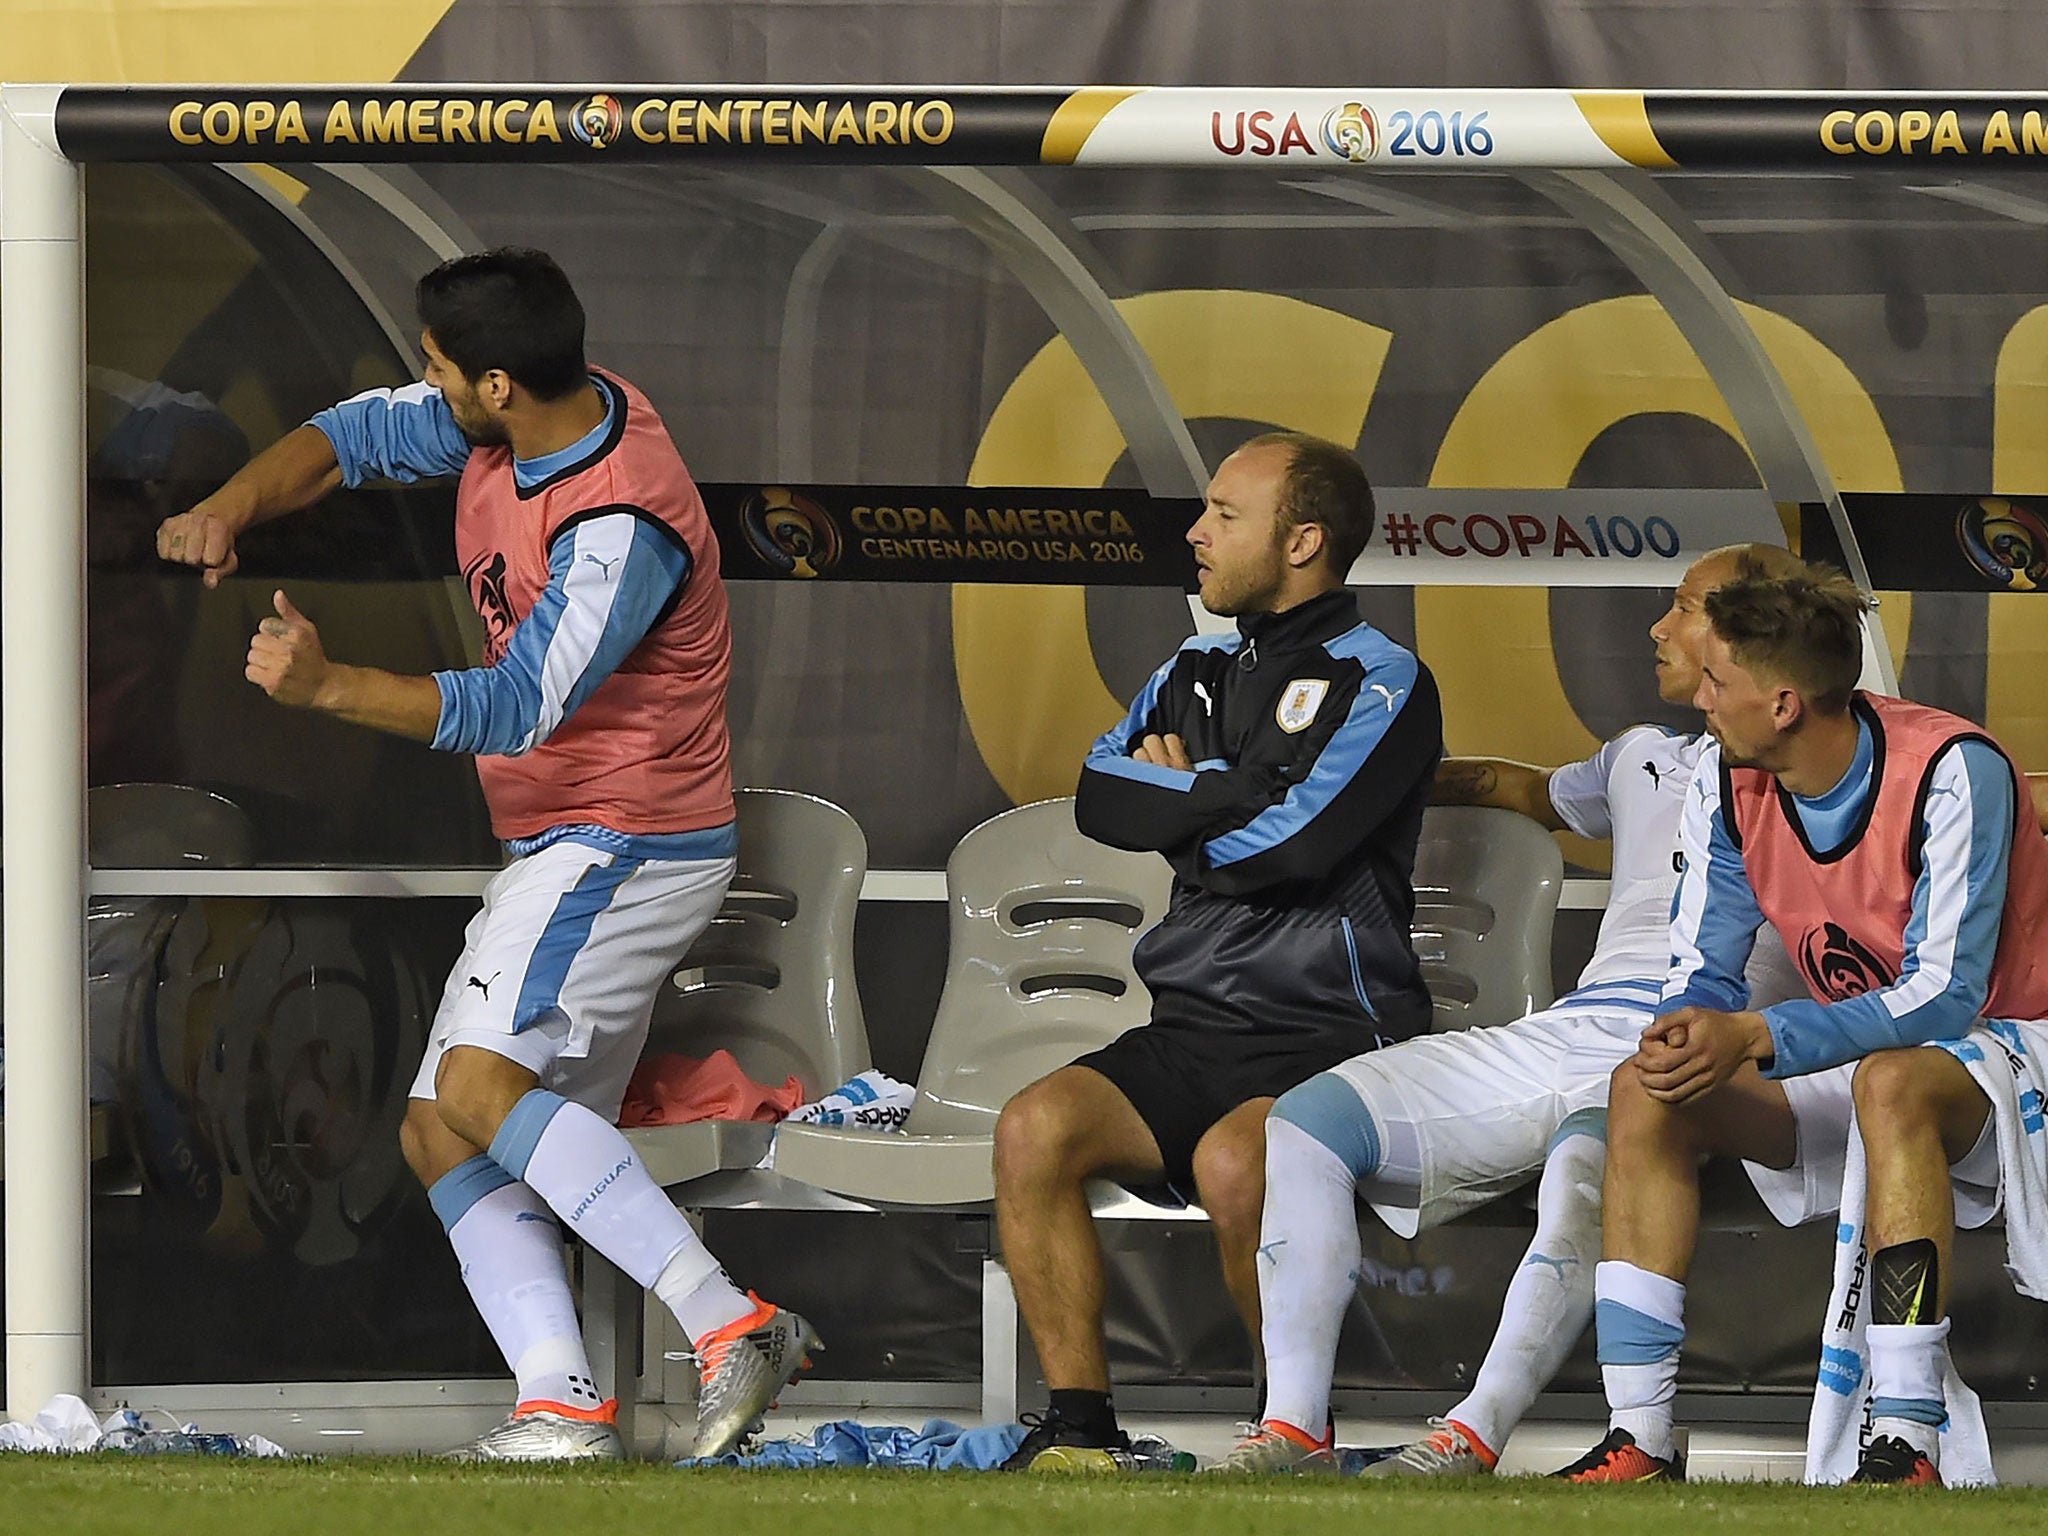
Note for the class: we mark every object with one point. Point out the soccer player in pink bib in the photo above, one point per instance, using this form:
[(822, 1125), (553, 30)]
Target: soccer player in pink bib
[(598, 725), (1891, 846)]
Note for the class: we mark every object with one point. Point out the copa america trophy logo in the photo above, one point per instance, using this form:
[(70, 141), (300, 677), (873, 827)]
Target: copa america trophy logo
[(2006, 542), (598, 120), (1352, 131)]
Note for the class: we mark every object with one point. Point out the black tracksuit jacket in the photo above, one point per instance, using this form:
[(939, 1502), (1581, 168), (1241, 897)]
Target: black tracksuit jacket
[(1315, 739)]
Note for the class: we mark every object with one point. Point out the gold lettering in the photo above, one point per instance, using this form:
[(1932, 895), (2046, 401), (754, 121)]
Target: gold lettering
[(542, 124), (1998, 133), (483, 120), (944, 131), (881, 122), (1874, 133), (501, 120), (457, 118), (2034, 134), (802, 118), (423, 120), (1914, 125), (864, 519), (1034, 522), (383, 122), (1004, 520), (746, 106), (340, 126), (1948, 135), (716, 120), (775, 123), (291, 122), (256, 117), (1120, 527), (181, 115), (641, 131), (220, 122), (682, 121), (844, 124), (1830, 135)]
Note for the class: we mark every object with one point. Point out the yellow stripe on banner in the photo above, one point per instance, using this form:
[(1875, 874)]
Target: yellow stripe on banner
[(290, 188), (1077, 117), (135, 42), (1623, 123)]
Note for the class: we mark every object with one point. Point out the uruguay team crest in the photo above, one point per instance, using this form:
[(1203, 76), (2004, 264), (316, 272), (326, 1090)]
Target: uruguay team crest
[(1299, 702)]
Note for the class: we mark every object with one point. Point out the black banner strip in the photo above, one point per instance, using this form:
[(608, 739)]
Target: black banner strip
[(909, 125), (1832, 131), (1030, 535), (1938, 543)]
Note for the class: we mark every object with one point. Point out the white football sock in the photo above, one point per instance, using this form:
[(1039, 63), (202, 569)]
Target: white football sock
[(510, 1251), (587, 1173), (1308, 1271), (1640, 1316), (1549, 1301), (1907, 1365)]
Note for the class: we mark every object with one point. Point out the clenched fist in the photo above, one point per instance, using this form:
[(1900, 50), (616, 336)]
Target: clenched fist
[(285, 658), (201, 538)]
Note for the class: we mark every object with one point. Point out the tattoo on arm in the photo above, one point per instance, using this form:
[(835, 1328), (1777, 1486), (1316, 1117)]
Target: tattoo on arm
[(1465, 783)]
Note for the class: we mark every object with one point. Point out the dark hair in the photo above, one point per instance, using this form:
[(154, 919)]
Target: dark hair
[(1324, 486), (1806, 629), (1770, 562), (511, 309)]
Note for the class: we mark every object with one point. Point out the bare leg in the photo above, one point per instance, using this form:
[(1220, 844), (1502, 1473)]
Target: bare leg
[(1918, 1111), (476, 1090), (431, 1149), (1230, 1178), (1652, 1194), (1651, 1221), (1063, 1130)]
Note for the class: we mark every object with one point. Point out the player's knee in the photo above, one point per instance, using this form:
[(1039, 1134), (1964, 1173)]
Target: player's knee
[(1635, 1118), (1230, 1174), (413, 1144), (1897, 1089), (1035, 1134), (1329, 1112), (474, 1090)]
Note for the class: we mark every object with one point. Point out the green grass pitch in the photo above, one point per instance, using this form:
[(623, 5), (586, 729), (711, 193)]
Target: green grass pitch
[(179, 1497)]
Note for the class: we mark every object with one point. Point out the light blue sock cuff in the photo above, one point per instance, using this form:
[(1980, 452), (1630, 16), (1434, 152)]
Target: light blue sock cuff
[(1580, 1122), (512, 1148), (463, 1185), (1914, 1410), (1629, 1337), (1329, 1109)]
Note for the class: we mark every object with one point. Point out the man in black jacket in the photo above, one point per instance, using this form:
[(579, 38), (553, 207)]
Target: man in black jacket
[(1282, 770)]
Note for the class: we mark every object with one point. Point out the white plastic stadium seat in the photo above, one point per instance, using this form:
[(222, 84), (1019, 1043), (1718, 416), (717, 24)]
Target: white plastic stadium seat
[(771, 980), (1038, 972), (1486, 889)]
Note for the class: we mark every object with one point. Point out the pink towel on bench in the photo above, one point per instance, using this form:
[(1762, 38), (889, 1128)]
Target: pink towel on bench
[(673, 1090)]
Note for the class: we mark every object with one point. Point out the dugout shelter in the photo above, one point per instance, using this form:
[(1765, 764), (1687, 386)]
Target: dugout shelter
[(936, 318)]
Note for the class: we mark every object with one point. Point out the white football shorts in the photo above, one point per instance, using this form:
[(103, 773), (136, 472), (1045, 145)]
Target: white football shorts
[(560, 970), (1466, 1116)]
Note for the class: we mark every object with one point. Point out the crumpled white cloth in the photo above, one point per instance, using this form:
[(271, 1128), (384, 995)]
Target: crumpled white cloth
[(872, 1101), (67, 1426)]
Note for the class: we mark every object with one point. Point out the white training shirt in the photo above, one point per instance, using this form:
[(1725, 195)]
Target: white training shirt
[(1633, 792)]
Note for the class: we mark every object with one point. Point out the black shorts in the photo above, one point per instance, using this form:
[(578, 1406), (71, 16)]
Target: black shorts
[(1182, 1079)]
